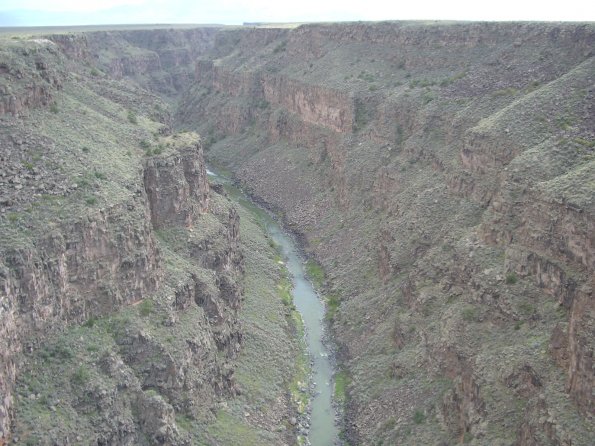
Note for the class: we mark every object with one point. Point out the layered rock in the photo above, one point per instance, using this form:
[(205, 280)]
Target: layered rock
[(439, 174), (29, 76), (87, 269), (177, 186)]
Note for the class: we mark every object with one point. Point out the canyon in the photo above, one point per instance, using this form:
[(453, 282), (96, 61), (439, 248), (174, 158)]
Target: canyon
[(438, 177)]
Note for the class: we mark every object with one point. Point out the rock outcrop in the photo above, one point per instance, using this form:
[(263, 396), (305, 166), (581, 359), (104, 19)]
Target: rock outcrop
[(71, 265), (439, 174), (29, 76), (177, 187)]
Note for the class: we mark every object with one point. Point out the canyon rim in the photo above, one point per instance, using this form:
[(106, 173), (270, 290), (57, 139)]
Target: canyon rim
[(439, 178)]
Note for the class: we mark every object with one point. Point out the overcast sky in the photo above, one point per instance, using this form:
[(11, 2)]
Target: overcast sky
[(85, 12)]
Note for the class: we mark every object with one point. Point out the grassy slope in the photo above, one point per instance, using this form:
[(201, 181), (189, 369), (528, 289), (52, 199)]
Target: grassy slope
[(265, 366)]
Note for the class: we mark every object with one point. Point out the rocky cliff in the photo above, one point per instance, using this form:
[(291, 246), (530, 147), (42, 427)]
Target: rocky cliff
[(94, 283), (440, 175)]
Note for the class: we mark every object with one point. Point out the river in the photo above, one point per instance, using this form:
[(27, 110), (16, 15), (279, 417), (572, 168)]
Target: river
[(323, 427)]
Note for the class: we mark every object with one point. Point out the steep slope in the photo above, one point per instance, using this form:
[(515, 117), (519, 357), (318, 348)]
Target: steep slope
[(121, 270), (442, 176), (440, 173)]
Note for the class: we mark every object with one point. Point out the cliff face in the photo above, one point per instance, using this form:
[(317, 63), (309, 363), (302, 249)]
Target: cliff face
[(83, 193), (29, 78), (177, 187), (439, 173)]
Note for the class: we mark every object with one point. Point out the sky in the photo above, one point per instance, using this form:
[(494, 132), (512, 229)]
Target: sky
[(234, 12)]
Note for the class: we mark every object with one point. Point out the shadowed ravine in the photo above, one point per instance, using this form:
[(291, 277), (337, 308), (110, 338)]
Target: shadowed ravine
[(323, 428)]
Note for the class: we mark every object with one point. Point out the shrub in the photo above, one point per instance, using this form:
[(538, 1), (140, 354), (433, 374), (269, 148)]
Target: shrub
[(341, 381), (361, 116), (527, 308), (281, 47), (419, 417), (80, 376), (27, 165), (54, 108), (511, 278), (469, 314), (91, 201), (315, 273), (90, 322), (145, 308), (332, 306), (132, 117)]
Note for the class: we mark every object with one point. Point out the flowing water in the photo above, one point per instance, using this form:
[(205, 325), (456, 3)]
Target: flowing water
[(323, 427)]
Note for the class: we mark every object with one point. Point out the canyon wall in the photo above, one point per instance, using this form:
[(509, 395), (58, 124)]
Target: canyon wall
[(79, 247), (439, 173)]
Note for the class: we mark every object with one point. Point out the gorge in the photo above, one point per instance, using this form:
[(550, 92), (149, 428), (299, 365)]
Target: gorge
[(438, 177)]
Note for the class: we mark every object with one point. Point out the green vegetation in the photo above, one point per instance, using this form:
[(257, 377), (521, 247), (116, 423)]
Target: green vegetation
[(449, 80), (565, 122), (361, 116), (333, 301), (81, 375), (365, 76), (315, 273), (91, 200), (54, 108), (285, 287), (185, 422), (231, 430), (527, 308), (419, 417), (280, 47), (132, 117), (469, 313), (28, 165), (510, 91), (511, 278), (262, 104), (427, 97), (399, 135), (585, 142), (146, 308), (388, 424), (341, 382), (422, 83), (60, 351)]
